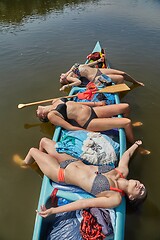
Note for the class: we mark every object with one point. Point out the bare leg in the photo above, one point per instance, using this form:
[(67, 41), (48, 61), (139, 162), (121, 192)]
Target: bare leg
[(47, 145), (111, 71), (124, 77), (117, 79), (102, 124), (29, 159), (48, 165), (112, 110), (19, 161), (26, 162), (128, 78), (119, 76)]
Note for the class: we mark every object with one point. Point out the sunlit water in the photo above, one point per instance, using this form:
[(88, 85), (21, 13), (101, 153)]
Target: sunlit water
[(38, 41)]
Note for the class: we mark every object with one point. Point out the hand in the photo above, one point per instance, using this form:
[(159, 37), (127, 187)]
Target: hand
[(54, 100), (102, 103), (138, 142), (44, 211), (63, 75), (102, 58), (63, 88)]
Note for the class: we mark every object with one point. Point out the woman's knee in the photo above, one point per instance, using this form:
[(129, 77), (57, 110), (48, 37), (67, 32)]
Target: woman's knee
[(126, 107), (45, 141), (121, 78), (42, 141), (127, 121), (33, 151)]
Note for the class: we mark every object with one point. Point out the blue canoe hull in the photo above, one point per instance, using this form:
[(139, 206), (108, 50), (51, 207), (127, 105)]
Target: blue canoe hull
[(47, 187)]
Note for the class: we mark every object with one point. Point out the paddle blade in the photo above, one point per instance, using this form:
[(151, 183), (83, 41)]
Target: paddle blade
[(115, 88)]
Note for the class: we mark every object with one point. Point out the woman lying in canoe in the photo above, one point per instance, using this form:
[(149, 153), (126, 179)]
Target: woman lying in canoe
[(92, 116), (95, 75), (106, 183)]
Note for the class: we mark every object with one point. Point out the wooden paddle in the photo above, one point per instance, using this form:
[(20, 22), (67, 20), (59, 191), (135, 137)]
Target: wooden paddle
[(110, 89), (115, 88)]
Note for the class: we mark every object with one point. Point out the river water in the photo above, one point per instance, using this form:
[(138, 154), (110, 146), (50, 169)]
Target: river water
[(39, 40)]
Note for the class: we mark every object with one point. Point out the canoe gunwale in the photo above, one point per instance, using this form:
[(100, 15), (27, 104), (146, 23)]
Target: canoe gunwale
[(47, 188)]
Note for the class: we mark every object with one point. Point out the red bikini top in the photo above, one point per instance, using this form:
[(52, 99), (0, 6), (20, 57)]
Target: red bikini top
[(120, 174)]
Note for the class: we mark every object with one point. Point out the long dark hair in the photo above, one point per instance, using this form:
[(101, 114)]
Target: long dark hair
[(45, 119), (135, 205)]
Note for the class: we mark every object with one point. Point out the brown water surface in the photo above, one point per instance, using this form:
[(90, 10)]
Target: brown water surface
[(39, 40)]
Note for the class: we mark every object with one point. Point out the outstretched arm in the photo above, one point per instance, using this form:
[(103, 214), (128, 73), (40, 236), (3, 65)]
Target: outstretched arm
[(124, 161), (128, 78), (113, 200), (93, 104), (73, 81), (95, 62), (90, 64)]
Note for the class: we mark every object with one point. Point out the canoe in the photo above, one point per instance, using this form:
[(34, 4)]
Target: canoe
[(41, 225)]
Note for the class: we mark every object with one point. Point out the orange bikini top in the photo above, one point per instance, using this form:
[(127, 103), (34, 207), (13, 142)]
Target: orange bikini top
[(120, 174), (117, 189)]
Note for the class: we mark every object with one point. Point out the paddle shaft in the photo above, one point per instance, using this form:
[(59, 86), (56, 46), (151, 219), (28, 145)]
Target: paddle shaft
[(110, 89), (22, 105)]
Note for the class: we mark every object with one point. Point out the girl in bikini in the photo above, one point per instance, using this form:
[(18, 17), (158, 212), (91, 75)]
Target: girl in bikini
[(108, 185), (96, 75), (91, 116)]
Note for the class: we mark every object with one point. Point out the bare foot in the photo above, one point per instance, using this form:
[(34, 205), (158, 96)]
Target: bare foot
[(19, 161), (137, 124), (143, 151)]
